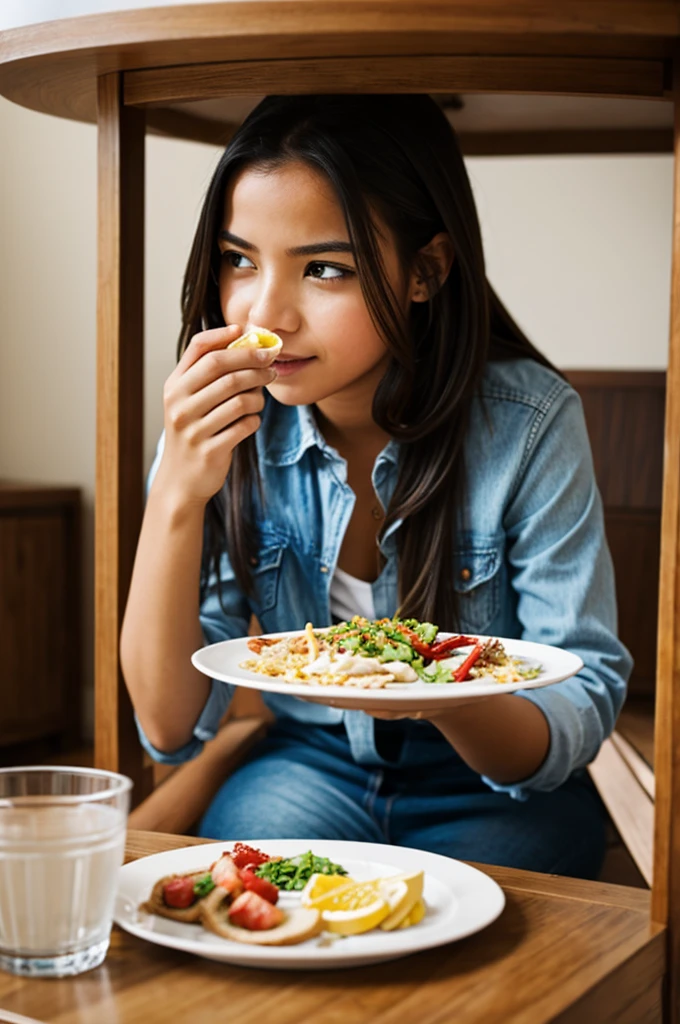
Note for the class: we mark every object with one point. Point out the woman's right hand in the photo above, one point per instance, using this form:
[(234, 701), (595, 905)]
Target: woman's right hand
[(212, 401)]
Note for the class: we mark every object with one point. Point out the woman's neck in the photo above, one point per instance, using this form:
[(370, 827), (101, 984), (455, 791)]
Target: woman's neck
[(346, 421), (351, 430)]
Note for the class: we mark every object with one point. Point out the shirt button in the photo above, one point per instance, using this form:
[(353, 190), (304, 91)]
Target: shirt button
[(465, 574), (253, 560), (324, 568)]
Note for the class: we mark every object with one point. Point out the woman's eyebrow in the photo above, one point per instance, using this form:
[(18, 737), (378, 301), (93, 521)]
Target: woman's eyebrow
[(318, 248), (226, 236), (314, 249)]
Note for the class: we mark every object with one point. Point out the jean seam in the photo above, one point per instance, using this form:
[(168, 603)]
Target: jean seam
[(386, 816), (371, 795)]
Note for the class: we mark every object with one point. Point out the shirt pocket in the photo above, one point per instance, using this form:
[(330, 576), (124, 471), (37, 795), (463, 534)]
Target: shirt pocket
[(476, 581), (266, 575)]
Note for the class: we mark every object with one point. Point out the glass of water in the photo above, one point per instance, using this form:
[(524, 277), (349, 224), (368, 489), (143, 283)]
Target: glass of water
[(62, 837)]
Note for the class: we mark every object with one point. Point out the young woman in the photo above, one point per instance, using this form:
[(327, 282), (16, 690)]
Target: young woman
[(408, 450)]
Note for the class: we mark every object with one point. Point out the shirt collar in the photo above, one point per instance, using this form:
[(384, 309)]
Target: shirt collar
[(287, 432)]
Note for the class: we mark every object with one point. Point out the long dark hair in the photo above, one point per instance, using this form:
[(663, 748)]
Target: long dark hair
[(399, 156)]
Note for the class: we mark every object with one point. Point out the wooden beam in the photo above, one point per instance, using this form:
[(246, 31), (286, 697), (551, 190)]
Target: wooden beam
[(573, 75), (666, 887), (118, 497), (181, 124), (629, 805), (571, 141)]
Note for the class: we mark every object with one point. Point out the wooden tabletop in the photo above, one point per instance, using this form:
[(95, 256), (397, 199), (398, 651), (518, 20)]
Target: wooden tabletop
[(561, 950), (52, 66)]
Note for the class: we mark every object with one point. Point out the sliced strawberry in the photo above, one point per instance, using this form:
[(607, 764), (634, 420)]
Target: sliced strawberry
[(254, 913), (261, 886), (244, 856), (179, 893), (225, 874)]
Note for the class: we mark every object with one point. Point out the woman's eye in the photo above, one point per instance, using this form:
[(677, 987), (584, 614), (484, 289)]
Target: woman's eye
[(327, 271), (234, 260)]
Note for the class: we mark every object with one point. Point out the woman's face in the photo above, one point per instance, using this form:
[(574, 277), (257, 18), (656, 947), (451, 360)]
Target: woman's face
[(287, 265)]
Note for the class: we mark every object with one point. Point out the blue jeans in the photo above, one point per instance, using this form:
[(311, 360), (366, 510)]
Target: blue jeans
[(301, 783)]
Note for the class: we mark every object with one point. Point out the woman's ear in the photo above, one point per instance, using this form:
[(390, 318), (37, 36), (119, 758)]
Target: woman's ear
[(438, 256)]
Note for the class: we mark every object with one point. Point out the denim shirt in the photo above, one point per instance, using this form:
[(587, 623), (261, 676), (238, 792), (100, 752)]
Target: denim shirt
[(530, 561)]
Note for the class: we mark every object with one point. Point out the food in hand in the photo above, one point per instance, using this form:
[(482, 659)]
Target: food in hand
[(372, 654), (258, 337)]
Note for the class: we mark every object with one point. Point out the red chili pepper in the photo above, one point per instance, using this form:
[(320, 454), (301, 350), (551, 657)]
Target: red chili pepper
[(441, 650), (417, 644), (461, 673)]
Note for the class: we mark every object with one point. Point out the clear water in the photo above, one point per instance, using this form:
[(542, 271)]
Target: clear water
[(58, 875)]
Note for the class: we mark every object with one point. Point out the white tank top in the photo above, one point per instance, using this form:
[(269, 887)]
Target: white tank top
[(350, 596)]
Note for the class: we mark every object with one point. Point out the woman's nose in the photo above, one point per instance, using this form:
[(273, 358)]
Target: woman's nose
[(274, 307)]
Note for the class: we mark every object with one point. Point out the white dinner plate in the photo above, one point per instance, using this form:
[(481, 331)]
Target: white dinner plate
[(222, 661), (459, 899)]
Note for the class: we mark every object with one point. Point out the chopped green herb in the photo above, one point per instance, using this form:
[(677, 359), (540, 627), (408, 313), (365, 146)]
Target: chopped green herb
[(294, 873), (203, 885)]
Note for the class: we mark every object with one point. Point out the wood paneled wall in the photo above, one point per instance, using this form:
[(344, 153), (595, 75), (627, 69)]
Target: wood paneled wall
[(625, 415), (40, 614)]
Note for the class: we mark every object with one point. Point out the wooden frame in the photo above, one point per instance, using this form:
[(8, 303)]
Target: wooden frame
[(577, 75), (120, 389), (182, 124), (666, 882)]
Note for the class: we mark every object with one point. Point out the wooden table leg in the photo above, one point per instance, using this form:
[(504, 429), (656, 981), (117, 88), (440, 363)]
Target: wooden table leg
[(120, 394)]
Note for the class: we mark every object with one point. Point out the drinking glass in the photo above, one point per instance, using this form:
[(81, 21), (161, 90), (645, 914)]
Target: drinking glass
[(62, 836)]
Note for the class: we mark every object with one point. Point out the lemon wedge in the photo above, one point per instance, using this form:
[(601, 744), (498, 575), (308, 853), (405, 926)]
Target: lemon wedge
[(257, 337), (402, 893), (320, 885), (352, 909), (416, 915)]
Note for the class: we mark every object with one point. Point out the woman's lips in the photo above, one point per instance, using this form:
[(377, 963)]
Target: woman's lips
[(286, 367)]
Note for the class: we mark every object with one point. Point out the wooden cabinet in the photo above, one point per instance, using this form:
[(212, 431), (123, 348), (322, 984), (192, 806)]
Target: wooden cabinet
[(40, 614)]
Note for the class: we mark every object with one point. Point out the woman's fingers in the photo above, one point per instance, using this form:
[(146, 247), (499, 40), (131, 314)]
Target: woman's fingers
[(207, 341), (208, 357), (244, 403), (232, 435), (187, 408)]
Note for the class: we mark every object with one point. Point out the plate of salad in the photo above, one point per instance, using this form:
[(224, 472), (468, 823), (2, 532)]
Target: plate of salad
[(303, 904), (385, 664)]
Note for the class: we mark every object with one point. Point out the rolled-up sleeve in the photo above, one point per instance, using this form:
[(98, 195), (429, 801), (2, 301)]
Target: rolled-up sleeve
[(223, 616), (563, 576)]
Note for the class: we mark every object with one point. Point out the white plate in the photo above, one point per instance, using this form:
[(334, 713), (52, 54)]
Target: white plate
[(460, 900), (222, 660)]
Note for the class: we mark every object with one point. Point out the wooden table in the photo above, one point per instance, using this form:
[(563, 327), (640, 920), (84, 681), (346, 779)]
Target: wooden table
[(562, 950)]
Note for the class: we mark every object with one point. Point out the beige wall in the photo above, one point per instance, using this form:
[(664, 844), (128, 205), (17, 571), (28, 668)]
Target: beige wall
[(578, 248)]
